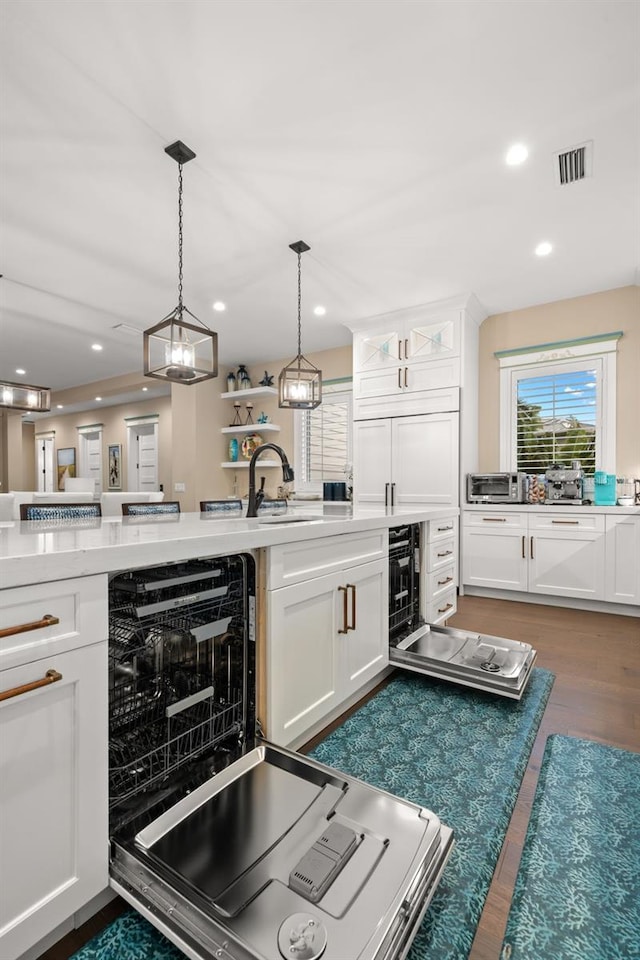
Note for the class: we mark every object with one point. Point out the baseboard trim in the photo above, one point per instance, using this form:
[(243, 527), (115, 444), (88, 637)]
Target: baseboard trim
[(573, 603)]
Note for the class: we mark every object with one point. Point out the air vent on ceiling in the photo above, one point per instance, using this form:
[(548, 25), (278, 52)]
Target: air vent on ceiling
[(574, 164), (127, 328)]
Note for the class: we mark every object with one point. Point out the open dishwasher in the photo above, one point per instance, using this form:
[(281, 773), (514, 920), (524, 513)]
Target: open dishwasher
[(233, 847), (495, 664)]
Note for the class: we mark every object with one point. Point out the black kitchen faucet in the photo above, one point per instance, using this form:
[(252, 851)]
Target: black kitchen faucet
[(255, 499)]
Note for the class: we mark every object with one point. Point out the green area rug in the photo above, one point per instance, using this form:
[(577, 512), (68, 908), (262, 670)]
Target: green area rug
[(459, 752), (577, 894)]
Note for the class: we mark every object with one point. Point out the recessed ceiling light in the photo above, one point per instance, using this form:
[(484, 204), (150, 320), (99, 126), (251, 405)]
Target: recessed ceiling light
[(96, 346), (20, 371), (98, 399), (59, 406), (219, 306), (543, 249), (144, 389), (516, 154), (319, 311)]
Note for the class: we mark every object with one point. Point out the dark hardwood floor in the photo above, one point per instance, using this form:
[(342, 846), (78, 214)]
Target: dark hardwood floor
[(596, 660)]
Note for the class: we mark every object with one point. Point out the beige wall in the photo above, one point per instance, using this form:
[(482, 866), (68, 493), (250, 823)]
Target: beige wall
[(598, 313)]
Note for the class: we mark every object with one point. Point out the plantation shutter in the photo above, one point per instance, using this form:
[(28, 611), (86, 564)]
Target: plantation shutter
[(557, 418)]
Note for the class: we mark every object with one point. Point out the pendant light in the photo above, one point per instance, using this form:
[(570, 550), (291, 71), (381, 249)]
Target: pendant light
[(175, 349), (300, 383), (21, 396)]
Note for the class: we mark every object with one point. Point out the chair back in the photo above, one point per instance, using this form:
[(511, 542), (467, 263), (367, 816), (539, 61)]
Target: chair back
[(63, 496), (112, 502), (59, 511), (146, 509), (6, 506), (79, 485), (20, 497), (272, 506), (226, 507)]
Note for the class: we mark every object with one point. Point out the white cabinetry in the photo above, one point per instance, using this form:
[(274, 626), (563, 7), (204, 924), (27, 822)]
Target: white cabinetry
[(400, 461), (53, 757), (326, 629), (550, 553), (441, 575), (622, 546)]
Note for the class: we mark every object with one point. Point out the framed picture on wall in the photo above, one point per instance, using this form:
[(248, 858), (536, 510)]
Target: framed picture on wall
[(115, 466), (66, 465)]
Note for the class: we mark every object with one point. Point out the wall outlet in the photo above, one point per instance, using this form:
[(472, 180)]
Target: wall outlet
[(179, 487)]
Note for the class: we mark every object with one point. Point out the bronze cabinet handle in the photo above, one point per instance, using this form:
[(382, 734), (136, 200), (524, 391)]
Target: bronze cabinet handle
[(51, 676), (386, 494), (441, 583), (345, 619), (524, 556), (574, 523), (494, 519), (447, 553), (47, 621), (406, 349), (442, 529), (352, 587), (405, 377), (399, 349), (446, 607), (400, 378), (531, 549)]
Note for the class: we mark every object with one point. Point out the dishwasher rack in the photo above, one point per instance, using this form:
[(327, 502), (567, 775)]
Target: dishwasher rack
[(178, 652)]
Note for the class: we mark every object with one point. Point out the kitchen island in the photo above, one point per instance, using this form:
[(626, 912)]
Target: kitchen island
[(54, 722)]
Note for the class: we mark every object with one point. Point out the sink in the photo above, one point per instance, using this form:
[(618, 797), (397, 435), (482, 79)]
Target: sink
[(289, 518)]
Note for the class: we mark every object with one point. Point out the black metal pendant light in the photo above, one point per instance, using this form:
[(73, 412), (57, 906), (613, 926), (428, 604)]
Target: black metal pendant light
[(175, 349), (300, 383)]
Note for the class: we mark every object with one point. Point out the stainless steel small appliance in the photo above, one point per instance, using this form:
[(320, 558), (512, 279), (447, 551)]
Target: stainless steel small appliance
[(496, 487), (564, 485)]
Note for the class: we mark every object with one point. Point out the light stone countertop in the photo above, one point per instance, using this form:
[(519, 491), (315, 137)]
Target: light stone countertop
[(37, 552), (578, 509)]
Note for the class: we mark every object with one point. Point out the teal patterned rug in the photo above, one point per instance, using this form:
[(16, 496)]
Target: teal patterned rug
[(577, 894), (460, 753)]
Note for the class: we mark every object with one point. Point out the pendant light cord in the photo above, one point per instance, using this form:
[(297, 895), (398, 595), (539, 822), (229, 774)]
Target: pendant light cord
[(299, 305), (180, 240)]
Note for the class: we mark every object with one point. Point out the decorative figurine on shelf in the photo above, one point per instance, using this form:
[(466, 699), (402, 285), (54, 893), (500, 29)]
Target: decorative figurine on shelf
[(250, 443), (243, 378), (263, 418), (267, 380), (233, 449), (237, 422), (249, 417), (231, 382)]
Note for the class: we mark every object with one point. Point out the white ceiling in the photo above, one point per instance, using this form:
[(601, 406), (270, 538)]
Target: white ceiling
[(375, 131)]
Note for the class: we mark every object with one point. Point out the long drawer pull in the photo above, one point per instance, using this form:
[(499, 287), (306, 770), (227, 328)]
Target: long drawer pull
[(345, 617), (494, 519), (400, 378), (531, 549), (405, 377), (442, 529), (441, 583), (47, 621), (51, 676), (446, 553), (352, 625), (524, 555), (573, 523), (447, 606)]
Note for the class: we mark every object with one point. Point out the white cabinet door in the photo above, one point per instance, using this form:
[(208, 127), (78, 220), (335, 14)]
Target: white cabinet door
[(377, 348), (53, 770), (567, 562), (432, 339), (372, 460), (364, 649), (494, 551), (302, 675), (623, 559), (424, 452)]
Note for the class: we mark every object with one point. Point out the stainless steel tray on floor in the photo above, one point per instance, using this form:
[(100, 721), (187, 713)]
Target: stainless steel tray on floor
[(231, 863), (495, 664)]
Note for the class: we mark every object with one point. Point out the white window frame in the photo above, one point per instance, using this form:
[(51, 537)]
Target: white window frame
[(600, 356), (315, 486)]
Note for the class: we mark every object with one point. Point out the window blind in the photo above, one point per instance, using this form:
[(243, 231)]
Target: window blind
[(325, 448), (557, 417)]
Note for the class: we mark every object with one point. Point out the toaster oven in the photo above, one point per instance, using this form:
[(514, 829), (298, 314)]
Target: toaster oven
[(496, 487)]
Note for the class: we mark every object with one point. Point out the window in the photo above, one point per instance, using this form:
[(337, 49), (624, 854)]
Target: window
[(323, 438), (558, 405)]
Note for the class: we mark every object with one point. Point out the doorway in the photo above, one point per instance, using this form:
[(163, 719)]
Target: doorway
[(142, 449), (90, 455), (45, 472)]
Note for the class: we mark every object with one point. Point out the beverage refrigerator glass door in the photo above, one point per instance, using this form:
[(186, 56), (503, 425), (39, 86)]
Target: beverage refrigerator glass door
[(226, 843)]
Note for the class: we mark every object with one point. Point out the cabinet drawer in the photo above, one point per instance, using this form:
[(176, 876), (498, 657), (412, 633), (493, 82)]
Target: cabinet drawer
[(78, 608), (442, 608), (489, 519), (440, 582), (295, 562), (566, 521), (440, 554), (441, 529), (403, 404)]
